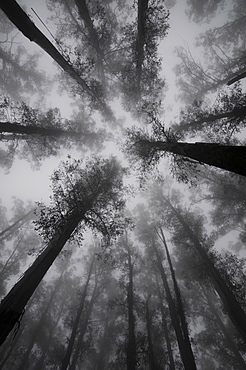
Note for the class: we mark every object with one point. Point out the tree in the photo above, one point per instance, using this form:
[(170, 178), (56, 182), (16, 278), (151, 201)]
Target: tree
[(149, 149), (224, 288), (36, 135), (21, 20), (91, 195)]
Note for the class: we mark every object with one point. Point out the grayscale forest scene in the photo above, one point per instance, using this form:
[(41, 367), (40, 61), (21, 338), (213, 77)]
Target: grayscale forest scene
[(123, 184)]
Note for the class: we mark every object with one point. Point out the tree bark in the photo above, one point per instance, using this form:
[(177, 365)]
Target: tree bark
[(21, 20), (142, 10), (230, 158), (232, 306), (12, 306)]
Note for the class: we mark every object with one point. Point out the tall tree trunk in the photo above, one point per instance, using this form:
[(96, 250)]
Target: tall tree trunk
[(181, 312), (142, 11), (232, 306), (12, 306), (227, 335), (41, 322), (80, 309), (21, 20), (187, 358), (131, 345), (166, 331), (10, 229), (30, 129), (230, 158), (152, 359)]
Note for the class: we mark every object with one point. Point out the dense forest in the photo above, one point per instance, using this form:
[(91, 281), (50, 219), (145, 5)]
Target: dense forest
[(123, 197)]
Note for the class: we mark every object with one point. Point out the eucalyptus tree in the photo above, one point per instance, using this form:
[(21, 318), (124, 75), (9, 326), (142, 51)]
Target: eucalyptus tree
[(36, 135), (191, 227), (149, 149), (150, 234), (19, 70), (222, 48), (89, 196), (22, 21)]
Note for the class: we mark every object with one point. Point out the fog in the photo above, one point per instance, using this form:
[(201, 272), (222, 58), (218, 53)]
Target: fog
[(122, 164)]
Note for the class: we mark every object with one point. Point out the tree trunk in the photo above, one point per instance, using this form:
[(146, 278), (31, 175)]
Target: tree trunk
[(41, 323), (230, 158), (18, 128), (232, 306), (131, 345), (16, 224), (142, 10), (12, 306), (227, 335), (21, 20), (181, 312), (187, 358), (166, 331), (80, 309), (40, 364), (79, 345), (152, 359)]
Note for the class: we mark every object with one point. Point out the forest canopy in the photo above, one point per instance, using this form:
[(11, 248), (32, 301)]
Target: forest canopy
[(123, 164)]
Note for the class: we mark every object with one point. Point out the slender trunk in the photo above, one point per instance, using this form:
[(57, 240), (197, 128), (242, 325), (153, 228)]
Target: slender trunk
[(12, 306), (131, 345), (152, 360), (227, 335), (230, 158), (6, 265), (10, 229), (142, 10), (166, 331), (181, 312), (93, 36), (187, 359), (101, 362), (80, 309), (232, 306), (234, 113), (79, 345), (237, 78), (21, 20)]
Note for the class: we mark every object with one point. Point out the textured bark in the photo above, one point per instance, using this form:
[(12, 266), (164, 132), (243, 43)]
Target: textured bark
[(80, 309), (21, 20), (232, 306)]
